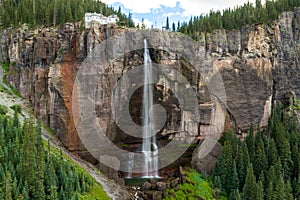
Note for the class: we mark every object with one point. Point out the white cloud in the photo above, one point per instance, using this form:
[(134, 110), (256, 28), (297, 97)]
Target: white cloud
[(197, 7), (143, 6), (147, 22), (191, 7), (171, 14), (155, 12)]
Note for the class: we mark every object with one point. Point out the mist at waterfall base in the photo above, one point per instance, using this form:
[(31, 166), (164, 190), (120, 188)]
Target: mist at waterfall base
[(149, 146)]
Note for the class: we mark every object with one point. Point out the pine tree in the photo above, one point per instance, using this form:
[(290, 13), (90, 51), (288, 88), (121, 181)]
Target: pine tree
[(130, 21), (278, 169), (262, 179), (235, 195), (243, 164), (224, 167), (76, 181), (296, 160), (34, 12), (68, 11), (167, 24), (37, 180), (288, 190), (260, 161), (217, 182), (76, 196), (269, 192), (297, 189), (251, 143), (7, 187), (286, 159), (235, 179), (260, 191), (173, 27), (272, 153), (271, 176), (258, 7), (51, 181), (250, 187), (15, 190), (25, 192), (62, 195), (279, 191), (178, 26), (272, 13), (28, 154), (24, 174)]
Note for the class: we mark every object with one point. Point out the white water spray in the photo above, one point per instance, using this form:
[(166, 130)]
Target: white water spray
[(150, 154)]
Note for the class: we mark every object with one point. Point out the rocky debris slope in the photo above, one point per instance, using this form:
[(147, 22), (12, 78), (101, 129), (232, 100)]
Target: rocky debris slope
[(258, 64)]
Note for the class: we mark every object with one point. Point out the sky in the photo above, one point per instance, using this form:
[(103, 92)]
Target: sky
[(155, 12)]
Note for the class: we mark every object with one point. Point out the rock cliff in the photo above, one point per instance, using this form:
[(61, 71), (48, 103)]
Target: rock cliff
[(258, 64)]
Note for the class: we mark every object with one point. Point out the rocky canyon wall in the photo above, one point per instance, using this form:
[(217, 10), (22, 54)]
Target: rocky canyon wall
[(258, 65)]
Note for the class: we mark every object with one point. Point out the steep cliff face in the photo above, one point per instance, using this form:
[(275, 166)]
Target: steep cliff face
[(258, 65), (44, 63)]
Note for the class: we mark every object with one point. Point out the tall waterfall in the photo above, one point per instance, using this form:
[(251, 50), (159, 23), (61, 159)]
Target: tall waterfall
[(149, 147)]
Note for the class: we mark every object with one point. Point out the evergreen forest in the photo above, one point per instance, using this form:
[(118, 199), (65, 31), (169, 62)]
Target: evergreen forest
[(235, 18), (265, 166), (32, 169), (36, 13)]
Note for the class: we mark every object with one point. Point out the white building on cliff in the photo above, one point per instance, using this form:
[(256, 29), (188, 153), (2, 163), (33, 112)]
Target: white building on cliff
[(89, 17)]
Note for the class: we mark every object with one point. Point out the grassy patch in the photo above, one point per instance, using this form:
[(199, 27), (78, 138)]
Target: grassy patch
[(297, 106), (196, 187), (96, 193), (6, 68), (48, 129), (3, 110), (5, 90), (188, 145), (12, 88), (17, 108)]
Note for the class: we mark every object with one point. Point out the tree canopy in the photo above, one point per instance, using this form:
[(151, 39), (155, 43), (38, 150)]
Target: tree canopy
[(53, 12), (235, 18), (31, 169), (265, 166)]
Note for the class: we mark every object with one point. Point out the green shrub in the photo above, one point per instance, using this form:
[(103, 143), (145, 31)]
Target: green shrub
[(3, 110), (195, 188), (6, 67), (4, 89), (297, 106), (17, 109)]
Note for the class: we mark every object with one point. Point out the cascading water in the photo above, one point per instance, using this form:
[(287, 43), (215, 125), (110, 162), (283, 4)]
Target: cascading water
[(149, 160), (130, 164), (150, 154)]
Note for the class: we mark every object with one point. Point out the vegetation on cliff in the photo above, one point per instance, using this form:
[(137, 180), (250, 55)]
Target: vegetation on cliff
[(237, 17), (265, 166), (32, 169), (4, 85), (196, 187), (14, 13)]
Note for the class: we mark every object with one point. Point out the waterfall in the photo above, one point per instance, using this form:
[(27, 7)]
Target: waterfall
[(130, 164), (150, 154), (149, 160)]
